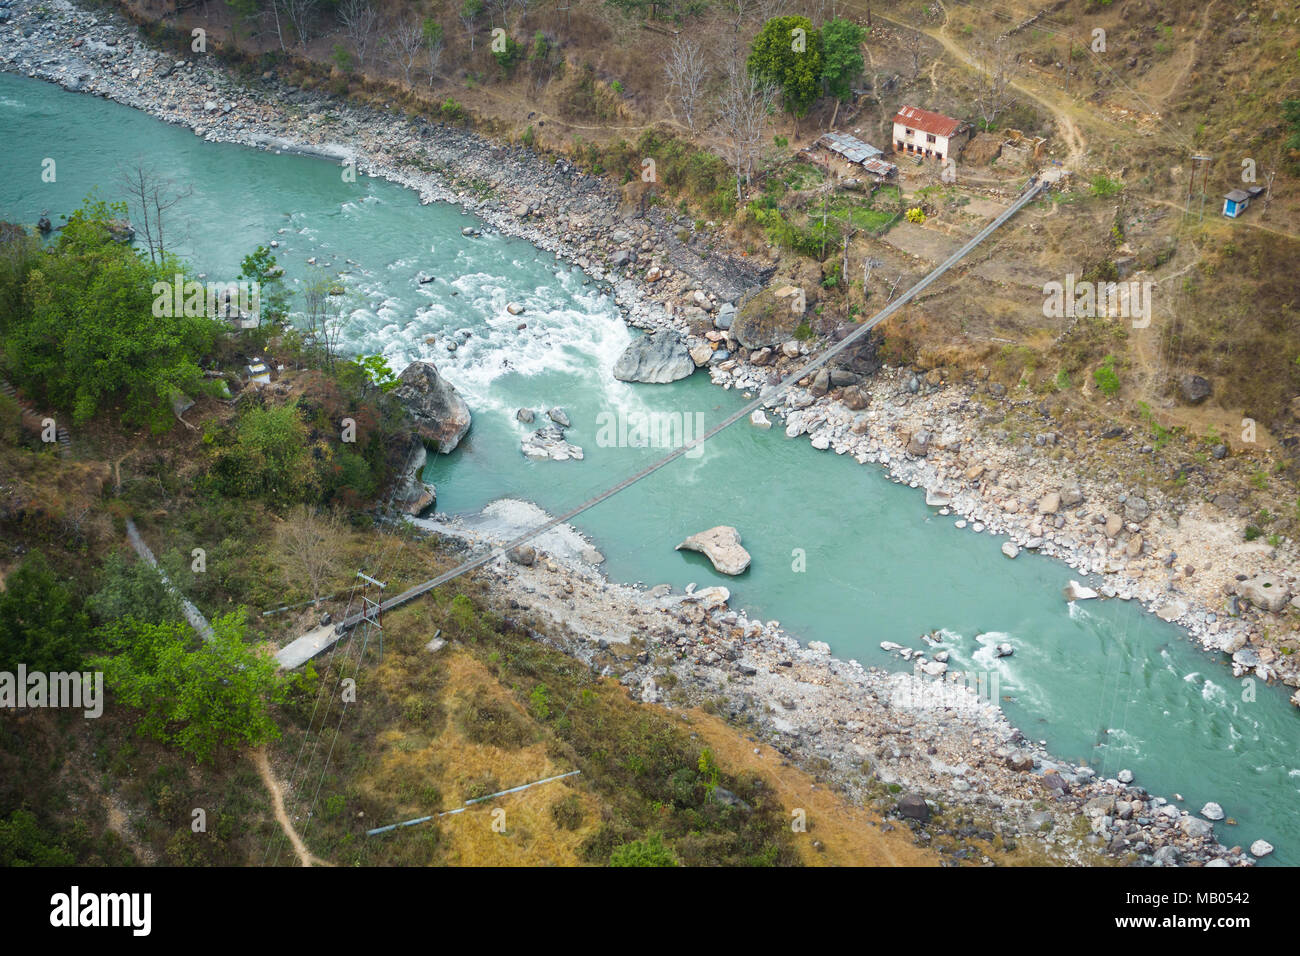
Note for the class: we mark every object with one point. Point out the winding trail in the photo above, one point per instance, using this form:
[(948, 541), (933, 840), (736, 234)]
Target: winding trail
[(263, 765)]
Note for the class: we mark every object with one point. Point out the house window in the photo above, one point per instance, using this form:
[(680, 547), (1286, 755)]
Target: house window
[(929, 137), (901, 145), (910, 132)]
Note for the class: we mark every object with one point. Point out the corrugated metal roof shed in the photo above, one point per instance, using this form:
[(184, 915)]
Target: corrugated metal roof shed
[(850, 147)]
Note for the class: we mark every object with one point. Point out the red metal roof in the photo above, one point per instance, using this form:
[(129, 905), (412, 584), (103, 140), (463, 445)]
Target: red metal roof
[(927, 122)]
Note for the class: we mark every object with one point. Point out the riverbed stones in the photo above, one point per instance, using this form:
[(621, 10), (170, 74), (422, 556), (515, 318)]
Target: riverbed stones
[(657, 358), (721, 545), (1197, 829), (1261, 848), (1212, 811), (758, 419), (1009, 549), (919, 443), (559, 416), (1266, 591), (525, 554), (440, 415), (548, 444), (1074, 591), (525, 415), (1049, 504), (701, 354), (1137, 509)]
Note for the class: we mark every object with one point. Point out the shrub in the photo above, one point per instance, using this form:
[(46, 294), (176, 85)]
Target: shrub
[(648, 852), (1105, 378)]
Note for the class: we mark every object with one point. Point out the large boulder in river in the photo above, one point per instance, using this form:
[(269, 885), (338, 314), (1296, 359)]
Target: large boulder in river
[(721, 545), (412, 496), (440, 414), (657, 358)]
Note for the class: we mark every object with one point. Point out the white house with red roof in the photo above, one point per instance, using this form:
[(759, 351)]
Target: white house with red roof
[(919, 132)]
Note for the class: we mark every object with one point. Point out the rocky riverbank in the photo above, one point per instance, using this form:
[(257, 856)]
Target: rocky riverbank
[(984, 457), (926, 752)]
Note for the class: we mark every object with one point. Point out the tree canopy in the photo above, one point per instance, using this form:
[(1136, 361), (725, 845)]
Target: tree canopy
[(842, 55), (84, 335), (787, 53)]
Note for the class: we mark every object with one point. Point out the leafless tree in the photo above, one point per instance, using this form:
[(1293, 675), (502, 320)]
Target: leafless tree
[(468, 12), (686, 69), (912, 47), (299, 13), (996, 69), (311, 545), (315, 302), (434, 43), (500, 8), (405, 43), (358, 18), (743, 110), (154, 196)]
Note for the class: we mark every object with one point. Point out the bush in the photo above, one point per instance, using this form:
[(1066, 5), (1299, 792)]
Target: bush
[(452, 112), (648, 852), (1105, 378), (42, 623)]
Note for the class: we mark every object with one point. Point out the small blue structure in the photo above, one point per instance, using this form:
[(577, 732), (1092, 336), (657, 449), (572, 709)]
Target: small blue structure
[(1235, 203)]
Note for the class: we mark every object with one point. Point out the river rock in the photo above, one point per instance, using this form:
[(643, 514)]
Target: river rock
[(559, 416), (1265, 591), (919, 444), (1009, 549), (1074, 591), (914, 807), (721, 545), (1195, 389), (768, 317), (412, 496), (1049, 504), (701, 354), (548, 444), (656, 358), (1195, 828), (1004, 650), (1124, 776), (525, 415), (1136, 509), (525, 554), (1212, 811), (441, 416), (1261, 848), (758, 419)]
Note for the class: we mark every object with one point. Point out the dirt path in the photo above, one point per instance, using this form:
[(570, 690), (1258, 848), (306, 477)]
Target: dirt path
[(1193, 50), (277, 802)]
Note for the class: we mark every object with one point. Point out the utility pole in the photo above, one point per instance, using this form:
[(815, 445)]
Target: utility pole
[(372, 612), (1202, 162)]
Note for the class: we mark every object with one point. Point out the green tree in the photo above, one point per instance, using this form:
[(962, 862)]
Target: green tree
[(842, 56), (787, 53), (42, 623), (132, 589), (200, 699), (24, 843), (260, 266), (648, 852), (1291, 116), (269, 458), (92, 333)]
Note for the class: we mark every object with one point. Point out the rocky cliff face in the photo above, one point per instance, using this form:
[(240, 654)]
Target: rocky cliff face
[(441, 416)]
